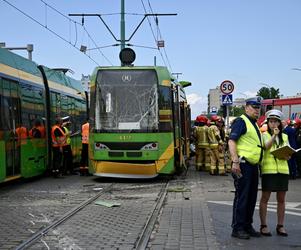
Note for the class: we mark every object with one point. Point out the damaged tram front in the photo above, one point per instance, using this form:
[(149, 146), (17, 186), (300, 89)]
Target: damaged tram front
[(139, 122)]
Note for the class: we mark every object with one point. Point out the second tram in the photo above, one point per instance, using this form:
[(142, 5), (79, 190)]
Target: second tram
[(31, 92)]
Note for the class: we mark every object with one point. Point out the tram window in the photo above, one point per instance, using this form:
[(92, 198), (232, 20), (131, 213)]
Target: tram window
[(126, 100), (165, 109), (1, 109), (164, 97), (32, 104), (55, 103)]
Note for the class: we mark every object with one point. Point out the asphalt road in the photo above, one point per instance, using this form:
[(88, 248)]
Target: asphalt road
[(219, 194)]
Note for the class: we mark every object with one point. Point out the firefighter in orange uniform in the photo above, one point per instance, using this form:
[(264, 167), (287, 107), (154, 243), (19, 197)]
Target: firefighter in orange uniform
[(58, 142), (84, 155), (201, 143)]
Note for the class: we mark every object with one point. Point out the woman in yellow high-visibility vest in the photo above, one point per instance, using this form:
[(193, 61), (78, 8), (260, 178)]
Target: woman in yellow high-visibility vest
[(275, 172)]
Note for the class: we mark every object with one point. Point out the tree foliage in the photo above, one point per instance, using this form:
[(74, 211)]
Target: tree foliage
[(233, 111), (269, 93)]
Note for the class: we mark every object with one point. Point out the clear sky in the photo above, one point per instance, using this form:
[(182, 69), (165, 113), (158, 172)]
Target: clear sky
[(253, 43)]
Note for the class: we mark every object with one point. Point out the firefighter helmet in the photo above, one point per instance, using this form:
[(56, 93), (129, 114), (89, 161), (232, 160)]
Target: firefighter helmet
[(202, 118)]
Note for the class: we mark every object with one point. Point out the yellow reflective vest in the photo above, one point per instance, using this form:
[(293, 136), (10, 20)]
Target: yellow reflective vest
[(67, 134), (249, 145), (270, 164)]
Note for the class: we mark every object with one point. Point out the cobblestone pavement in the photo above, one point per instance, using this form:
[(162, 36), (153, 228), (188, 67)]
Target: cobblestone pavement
[(184, 221), (30, 206)]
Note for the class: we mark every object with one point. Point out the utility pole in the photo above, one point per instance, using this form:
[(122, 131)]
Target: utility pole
[(122, 27), (122, 41), (29, 49)]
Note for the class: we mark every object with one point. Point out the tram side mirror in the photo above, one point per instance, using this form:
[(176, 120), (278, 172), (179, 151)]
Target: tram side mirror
[(185, 84)]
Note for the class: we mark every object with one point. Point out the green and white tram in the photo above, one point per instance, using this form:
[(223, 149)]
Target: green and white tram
[(139, 122), (29, 92)]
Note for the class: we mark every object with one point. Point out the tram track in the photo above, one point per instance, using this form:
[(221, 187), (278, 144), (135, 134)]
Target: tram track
[(73, 216), (144, 237), (36, 236)]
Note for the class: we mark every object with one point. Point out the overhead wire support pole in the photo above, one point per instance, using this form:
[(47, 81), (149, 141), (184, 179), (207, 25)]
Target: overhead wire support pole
[(122, 27)]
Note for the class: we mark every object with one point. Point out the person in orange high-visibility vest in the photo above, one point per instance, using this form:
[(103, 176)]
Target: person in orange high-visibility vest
[(84, 155), (22, 135), (58, 142), (38, 130)]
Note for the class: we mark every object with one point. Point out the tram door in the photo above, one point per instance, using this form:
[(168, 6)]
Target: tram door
[(11, 122)]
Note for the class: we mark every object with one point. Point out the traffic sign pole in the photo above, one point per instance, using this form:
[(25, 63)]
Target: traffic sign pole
[(227, 117)]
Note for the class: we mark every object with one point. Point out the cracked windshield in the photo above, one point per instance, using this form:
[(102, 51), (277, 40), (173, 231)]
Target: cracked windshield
[(126, 100)]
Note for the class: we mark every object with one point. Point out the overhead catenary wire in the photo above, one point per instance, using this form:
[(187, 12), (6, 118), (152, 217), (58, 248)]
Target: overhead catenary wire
[(82, 25), (52, 31), (159, 33), (155, 38)]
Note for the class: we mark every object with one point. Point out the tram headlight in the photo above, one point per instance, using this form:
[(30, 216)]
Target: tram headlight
[(100, 146), (151, 146)]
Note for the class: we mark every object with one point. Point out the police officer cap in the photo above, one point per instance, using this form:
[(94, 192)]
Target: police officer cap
[(256, 100), (274, 113)]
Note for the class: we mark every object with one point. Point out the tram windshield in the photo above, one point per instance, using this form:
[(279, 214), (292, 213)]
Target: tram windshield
[(126, 100)]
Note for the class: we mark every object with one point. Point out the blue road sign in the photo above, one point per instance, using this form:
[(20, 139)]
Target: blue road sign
[(227, 99)]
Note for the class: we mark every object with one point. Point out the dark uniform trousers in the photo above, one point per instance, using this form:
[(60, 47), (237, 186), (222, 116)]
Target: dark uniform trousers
[(245, 198), (57, 159)]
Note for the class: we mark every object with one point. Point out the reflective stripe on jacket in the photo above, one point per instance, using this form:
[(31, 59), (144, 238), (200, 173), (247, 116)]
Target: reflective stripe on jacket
[(249, 145), (270, 164), (58, 141), (85, 133)]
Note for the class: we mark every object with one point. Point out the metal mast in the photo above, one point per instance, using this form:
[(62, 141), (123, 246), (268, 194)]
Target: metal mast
[(122, 27)]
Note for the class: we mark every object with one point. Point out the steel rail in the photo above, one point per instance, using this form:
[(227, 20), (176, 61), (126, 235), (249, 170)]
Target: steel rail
[(66, 216), (143, 239)]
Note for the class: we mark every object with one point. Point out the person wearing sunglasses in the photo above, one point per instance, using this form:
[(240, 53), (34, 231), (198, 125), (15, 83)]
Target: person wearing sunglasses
[(246, 150)]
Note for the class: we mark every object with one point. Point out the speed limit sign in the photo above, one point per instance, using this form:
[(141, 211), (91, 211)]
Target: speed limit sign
[(227, 87)]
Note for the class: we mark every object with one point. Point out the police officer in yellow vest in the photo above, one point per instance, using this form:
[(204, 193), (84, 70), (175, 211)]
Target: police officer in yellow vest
[(246, 150), (201, 142), (275, 172)]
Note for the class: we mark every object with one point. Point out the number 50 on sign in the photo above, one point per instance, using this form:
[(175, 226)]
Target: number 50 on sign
[(227, 87)]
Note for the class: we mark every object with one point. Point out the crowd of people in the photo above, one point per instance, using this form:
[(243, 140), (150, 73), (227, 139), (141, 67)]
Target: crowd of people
[(62, 162), (245, 151), (210, 139)]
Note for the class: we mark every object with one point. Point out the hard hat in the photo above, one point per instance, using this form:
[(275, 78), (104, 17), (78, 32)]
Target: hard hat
[(263, 123), (297, 122), (274, 113), (215, 118), (202, 118)]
